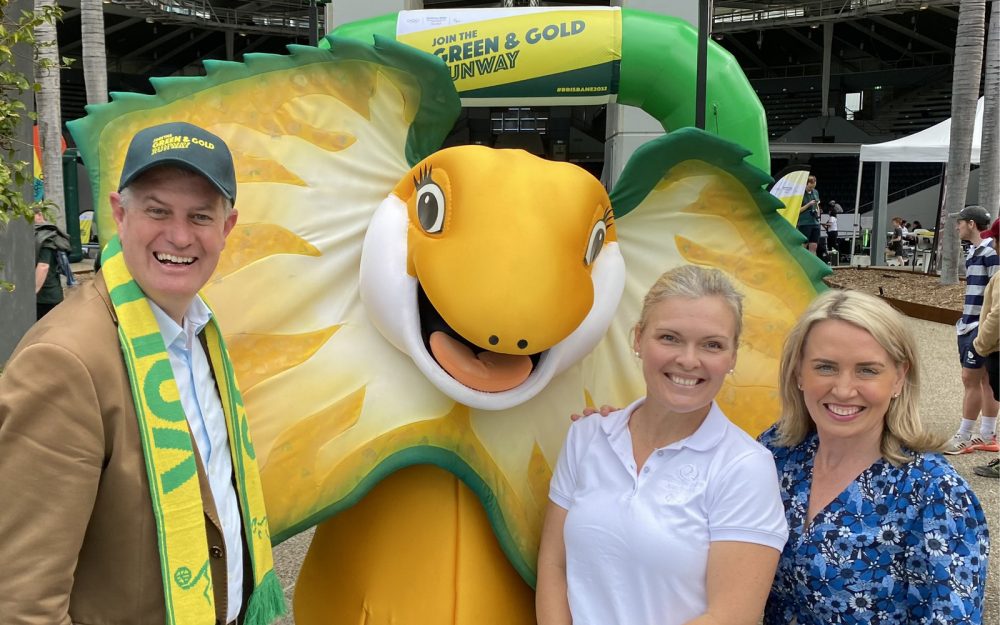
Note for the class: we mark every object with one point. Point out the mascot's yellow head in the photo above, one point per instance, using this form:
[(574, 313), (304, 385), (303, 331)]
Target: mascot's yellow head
[(494, 270)]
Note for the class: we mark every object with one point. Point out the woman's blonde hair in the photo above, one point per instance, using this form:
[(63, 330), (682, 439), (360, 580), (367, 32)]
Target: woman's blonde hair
[(692, 282), (902, 432)]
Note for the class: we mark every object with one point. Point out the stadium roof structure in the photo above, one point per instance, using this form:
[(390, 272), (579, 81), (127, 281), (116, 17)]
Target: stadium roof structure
[(888, 49)]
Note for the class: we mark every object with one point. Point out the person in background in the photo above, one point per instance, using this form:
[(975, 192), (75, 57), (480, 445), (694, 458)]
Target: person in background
[(665, 512), (50, 241), (821, 251), (896, 239), (808, 222), (908, 232), (987, 342), (981, 264), (881, 528), (833, 209), (916, 225)]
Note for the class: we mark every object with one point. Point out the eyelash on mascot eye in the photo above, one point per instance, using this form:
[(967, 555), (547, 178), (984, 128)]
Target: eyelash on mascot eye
[(425, 176), (609, 217)]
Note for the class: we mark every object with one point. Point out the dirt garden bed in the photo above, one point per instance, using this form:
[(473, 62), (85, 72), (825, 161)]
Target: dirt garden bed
[(914, 293)]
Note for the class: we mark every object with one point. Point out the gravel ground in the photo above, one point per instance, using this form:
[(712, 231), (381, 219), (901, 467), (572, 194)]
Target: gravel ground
[(940, 404), (941, 400), (288, 558)]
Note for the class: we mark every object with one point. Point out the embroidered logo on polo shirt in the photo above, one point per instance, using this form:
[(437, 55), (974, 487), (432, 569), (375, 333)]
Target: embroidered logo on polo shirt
[(688, 472), (683, 486)]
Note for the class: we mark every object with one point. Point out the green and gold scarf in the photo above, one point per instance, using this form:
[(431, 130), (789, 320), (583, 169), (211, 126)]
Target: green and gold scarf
[(171, 466)]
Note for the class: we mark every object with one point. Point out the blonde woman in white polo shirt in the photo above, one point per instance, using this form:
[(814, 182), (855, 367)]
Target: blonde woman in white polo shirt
[(665, 512)]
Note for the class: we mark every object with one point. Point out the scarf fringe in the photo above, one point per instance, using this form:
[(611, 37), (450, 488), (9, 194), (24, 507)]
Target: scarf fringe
[(267, 602)]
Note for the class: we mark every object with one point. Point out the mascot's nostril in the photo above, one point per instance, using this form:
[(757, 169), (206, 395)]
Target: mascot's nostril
[(494, 339), (522, 344)]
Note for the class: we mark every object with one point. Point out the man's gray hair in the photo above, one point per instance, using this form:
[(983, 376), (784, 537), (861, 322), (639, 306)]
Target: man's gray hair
[(126, 192)]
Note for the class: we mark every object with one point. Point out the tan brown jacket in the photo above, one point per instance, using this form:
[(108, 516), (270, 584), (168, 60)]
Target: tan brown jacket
[(78, 539), (989, 320)]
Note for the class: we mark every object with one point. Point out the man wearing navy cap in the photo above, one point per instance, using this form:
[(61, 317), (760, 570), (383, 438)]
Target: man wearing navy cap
[(125, 499), (981, 264), (173, 214)]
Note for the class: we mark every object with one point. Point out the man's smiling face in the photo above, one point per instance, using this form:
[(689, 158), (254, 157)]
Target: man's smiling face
[(173, 227)]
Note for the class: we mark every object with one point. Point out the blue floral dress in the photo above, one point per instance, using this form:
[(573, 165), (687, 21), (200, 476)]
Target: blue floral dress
[(900, 545)]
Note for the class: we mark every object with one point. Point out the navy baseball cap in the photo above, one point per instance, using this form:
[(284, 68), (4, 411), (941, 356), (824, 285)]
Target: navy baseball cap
[(974, 213), (184, 145)]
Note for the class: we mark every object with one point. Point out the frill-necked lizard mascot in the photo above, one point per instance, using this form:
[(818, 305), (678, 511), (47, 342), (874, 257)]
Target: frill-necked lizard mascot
[(412, 327)]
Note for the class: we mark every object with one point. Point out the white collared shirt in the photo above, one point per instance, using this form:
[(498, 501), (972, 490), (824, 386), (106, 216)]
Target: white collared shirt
[(637, 541), (200, 400)]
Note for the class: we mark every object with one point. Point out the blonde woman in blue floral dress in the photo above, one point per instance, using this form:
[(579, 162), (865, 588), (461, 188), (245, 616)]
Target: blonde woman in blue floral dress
[(881, 527)]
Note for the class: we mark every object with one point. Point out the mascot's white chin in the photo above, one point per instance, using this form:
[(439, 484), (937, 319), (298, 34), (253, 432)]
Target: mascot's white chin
[(397, 306)]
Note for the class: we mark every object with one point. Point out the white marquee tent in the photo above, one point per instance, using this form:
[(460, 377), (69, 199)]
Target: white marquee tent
[(927, 146), (930, 145)]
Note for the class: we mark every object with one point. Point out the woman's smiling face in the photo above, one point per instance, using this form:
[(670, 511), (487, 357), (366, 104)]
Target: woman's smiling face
[(847, 380), (687, 346)]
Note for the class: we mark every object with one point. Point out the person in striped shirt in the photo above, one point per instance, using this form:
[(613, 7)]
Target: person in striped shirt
[(981, 264)]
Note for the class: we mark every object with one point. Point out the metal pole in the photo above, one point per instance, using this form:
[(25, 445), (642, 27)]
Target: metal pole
[(856, 229), (938, 224), (880, 210), (827, 49), (313, 23), (704, 27)]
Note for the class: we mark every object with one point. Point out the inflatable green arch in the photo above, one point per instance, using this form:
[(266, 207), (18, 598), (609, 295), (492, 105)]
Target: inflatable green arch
[(656, 72)]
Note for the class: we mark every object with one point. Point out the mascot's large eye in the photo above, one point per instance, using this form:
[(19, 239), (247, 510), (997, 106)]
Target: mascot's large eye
[(430, 208), (597, 236)]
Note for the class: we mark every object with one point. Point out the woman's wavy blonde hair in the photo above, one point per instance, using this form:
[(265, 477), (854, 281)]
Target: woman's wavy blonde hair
[(903, 434)]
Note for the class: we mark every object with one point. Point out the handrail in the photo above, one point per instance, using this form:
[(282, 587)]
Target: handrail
[(293, 20), (931, 58), (765, 15), (759, 16), (899, 194)]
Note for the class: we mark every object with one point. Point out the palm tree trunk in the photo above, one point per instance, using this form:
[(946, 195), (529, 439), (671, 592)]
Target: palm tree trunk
[(49, 115), (989, 172), (964, 97), (95, 71)]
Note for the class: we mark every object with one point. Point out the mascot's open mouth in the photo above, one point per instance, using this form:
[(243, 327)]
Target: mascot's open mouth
[(479, 369)]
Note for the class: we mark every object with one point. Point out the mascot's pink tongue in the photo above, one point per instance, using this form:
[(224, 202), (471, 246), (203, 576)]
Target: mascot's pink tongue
[(489, 371)]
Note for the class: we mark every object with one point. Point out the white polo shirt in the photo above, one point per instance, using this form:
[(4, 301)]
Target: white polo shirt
[(637, 544)]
